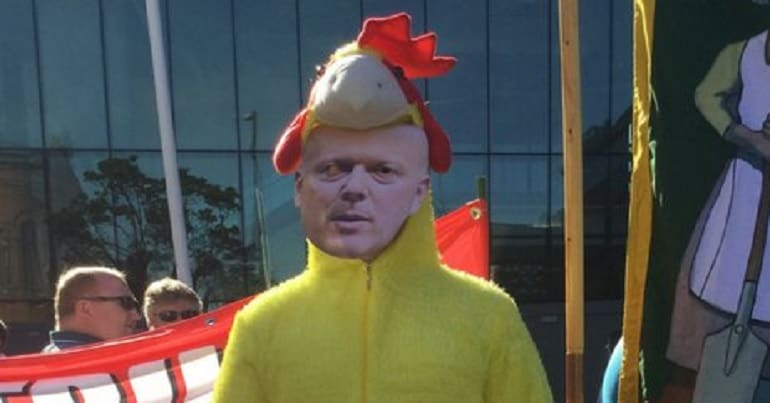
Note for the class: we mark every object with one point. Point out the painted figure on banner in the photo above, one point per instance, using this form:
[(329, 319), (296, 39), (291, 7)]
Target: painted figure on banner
[(720, 324)]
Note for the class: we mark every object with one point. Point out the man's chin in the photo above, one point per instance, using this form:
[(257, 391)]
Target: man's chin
[(350, 228), (344, 250)]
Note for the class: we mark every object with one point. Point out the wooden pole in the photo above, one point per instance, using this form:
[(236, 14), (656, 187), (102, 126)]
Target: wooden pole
[(573, 196)]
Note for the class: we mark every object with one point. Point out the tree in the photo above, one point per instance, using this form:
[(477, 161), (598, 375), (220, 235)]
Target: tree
[(124, 222)]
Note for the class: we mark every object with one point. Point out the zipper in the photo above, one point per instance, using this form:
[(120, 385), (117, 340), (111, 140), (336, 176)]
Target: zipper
[(365, 334), (368, 277)]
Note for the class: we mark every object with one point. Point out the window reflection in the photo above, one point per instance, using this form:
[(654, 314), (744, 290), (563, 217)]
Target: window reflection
[(458, 186), (132, 111), (500, 105), (19, 102), (521, 267), (81, 232), (23, 254), (520, 60), (519, 190), (72, 88), (273, 230), (459, 100), (268, 76), (200, 53)]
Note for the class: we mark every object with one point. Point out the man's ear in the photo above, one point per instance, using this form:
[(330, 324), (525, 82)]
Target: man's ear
[(297, 184), (83, 307), (422, 190)]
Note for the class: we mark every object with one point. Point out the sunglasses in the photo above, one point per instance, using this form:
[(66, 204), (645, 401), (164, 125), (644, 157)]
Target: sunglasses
[(126, 302), (173, 316)]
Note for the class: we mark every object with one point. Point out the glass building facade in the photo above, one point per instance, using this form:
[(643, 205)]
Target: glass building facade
[(78, 119)]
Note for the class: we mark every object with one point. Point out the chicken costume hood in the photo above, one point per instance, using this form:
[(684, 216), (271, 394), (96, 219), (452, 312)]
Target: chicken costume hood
[(367, 84)]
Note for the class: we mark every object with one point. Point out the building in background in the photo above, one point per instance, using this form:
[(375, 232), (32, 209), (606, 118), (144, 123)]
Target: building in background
[(77, 89)]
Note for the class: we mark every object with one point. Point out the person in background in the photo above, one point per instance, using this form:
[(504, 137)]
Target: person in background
[(611, 378), (92, 304), (375, 316), (3, 337), (168, 300)]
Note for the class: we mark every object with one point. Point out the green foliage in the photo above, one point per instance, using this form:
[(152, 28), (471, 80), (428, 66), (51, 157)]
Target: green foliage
[(123, 222)]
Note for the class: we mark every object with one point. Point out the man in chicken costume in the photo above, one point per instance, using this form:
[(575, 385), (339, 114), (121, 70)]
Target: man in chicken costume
[(375, 317)]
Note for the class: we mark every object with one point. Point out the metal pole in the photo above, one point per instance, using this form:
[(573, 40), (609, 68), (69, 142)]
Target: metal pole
[(481, 187), (263, 241), (170, 170), (573, 196)]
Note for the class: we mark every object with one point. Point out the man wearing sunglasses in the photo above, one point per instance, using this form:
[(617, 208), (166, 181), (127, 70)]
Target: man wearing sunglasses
[(92, 304), (167, 301)]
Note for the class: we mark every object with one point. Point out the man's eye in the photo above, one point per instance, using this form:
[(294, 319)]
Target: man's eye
[(331, 170), (385, 172)]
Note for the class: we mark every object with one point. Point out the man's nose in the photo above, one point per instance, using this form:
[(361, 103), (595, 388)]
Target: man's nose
[(355, 188)]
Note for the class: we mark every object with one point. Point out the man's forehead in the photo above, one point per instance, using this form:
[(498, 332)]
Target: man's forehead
[(111, 282), (330, 139)]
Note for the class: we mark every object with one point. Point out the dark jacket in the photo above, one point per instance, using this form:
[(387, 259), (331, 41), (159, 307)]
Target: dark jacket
[(64, 339)]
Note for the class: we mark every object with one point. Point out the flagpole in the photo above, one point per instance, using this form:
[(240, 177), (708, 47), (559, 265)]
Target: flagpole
[(481, 187), (168, 147), (573, 196)]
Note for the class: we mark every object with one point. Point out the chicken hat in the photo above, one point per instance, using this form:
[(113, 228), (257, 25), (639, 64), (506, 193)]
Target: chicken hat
[(367, 84)]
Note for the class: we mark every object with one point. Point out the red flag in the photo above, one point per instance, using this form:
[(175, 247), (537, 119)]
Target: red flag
[(463, 238), (181, 359)]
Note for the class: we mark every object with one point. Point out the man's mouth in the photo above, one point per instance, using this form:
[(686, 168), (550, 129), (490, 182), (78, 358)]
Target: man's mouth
[(348, 217)]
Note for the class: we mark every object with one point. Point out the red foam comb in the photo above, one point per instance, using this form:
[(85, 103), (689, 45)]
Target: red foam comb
[(288, 151), (390, 37), (440, 150)]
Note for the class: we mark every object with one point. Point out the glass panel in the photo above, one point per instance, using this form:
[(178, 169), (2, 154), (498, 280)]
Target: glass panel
[(556, 267), (557, 194), (133, 117), (519, 75), (554, 84), (24, 262), (142, 219), (595, 68), (201, 62), (381, 8), (605, 137), (620, 172), (604, 268), (210, 188), (267, 58), (459, 100), (599, 191), (458, 186), (19, 102), (596, 195), (72, 86), (271, 220), (82, 228), (519, 194), (519, 265), (621, 37)]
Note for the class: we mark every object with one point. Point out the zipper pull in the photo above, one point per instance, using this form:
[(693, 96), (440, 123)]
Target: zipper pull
[(368, 277)]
